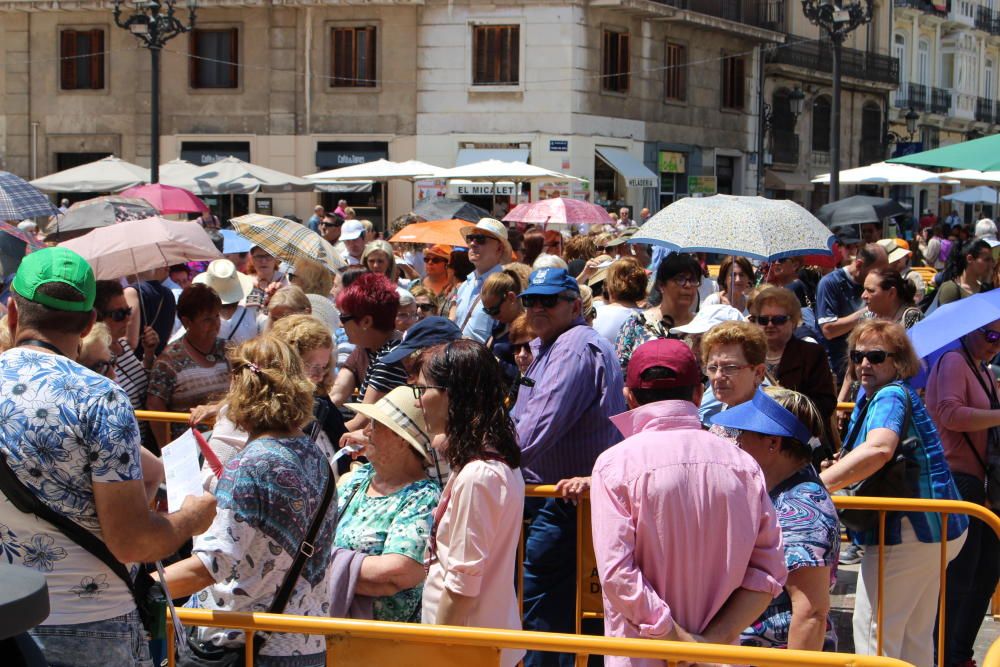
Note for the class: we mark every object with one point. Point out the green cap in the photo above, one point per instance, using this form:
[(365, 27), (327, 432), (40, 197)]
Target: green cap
[(56, 265)]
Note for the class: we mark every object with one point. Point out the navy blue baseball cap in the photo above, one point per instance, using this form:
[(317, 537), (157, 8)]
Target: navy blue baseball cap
[(426, 333), (763, 414), (550, 281)]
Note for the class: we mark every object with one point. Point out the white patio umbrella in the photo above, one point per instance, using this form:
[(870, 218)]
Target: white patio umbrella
[(179, 173), (498, 170), (980, 194), (885, 173), (110, 174), (973, 176), (232, 176)]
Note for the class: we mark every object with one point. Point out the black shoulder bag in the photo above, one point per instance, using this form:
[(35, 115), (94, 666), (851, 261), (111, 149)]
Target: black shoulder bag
[(206, 654), (896, 479), (147, 593)]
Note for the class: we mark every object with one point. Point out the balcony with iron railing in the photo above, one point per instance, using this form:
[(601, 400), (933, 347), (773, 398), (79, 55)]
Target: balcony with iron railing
[(987, 20), (912, 96), (984, 110), (922, 5), (940, 101), (818, 56), (784, 147), (767, 14)]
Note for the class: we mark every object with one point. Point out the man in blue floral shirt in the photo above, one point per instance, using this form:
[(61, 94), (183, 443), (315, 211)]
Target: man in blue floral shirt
[(70, 436)]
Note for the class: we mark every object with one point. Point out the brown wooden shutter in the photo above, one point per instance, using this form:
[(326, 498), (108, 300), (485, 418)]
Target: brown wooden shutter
[(67, 63), (234, 58), (96, 60), (194, 78)]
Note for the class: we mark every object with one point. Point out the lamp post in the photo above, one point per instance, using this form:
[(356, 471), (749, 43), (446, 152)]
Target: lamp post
[(154, 28), (911, 117), (837, 20)]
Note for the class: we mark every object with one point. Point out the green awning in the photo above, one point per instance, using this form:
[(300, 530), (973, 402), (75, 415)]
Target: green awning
[(979, 154)]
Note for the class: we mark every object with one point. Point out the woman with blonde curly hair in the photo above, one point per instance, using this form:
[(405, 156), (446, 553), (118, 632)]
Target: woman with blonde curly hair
[(317, 282), (269, 496)]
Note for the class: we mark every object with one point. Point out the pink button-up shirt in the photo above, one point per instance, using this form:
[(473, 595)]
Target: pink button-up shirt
[(681, 520)]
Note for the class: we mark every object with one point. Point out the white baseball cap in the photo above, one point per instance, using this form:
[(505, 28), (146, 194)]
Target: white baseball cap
[(352, 229)]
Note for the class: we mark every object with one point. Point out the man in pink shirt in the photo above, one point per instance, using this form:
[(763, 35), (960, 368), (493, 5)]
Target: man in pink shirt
[(687, 541)]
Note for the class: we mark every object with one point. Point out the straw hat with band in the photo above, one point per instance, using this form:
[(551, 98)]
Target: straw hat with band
[(399, 412), (56, 265), (222, 276)]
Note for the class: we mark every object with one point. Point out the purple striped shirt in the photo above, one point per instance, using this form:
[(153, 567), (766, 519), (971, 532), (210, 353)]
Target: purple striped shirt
[(563, 421)]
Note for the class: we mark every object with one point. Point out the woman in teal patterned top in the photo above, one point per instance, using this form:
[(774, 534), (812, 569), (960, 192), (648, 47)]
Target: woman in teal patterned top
[(387, 505)]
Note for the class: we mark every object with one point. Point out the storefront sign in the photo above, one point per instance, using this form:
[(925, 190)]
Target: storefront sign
[(672, 163), (480, 189), (701, 185), (336, 154), (207, 152), (558, 145), (263, 205)]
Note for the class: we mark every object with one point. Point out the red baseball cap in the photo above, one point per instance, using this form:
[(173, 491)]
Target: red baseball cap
[(667, 353)]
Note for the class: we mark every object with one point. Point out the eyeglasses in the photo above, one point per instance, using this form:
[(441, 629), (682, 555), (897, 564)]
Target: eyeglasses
[(545, 300), (405, 316), (422, 307), (116, 315), (728, 370), (493, 311), (316, 369), (478, 239), (335, 223), (765, 320), (345, 318), (875, 357), (685, 281), (420, 389), (434, 260), (102, 366), (992, 337), (517, 348)]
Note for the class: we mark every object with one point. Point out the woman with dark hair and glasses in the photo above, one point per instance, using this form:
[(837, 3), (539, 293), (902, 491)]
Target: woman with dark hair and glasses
[(962, 399), (677, 279), (477, 523), (131, 373), (791, 362), (890, 417), (969, 272)]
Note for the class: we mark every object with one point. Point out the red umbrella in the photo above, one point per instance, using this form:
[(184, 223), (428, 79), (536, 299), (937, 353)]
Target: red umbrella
[(559, 211), (167, 199)]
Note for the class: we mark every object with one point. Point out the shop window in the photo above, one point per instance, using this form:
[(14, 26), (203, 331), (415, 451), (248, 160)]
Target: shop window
[(605, 185), (214, 61), (615, 62), (674, 79), (496, 55), (733, 83), (81, 59), (672, 188), (352, 57)]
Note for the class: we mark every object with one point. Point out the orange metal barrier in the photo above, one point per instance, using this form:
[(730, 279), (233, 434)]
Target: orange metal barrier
[(993, 655), (352, 643)]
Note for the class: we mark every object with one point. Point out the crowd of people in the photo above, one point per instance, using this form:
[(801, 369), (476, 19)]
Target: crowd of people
[(372, 431)]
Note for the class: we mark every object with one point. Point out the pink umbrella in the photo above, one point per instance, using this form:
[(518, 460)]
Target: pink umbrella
[(559, 211), (167, 199)]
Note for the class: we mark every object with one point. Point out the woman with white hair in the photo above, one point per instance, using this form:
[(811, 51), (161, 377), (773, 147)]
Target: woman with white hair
[(406, 316)]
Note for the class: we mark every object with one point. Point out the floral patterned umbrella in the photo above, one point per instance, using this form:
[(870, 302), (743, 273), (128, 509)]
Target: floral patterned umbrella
[(764, 229)]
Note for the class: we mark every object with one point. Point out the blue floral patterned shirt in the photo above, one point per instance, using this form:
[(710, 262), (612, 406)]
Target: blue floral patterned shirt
[(63, 428)]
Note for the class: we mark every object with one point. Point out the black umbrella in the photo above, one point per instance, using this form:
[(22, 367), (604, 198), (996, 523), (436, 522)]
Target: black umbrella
[(858, 210), (449, 209)]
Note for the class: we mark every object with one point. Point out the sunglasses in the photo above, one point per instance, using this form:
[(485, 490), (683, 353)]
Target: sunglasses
[(493, 311), (102, 366), (545, 300), (875, 357), (686, 282), (422, 307), (332, 224), (765, 320), (344, 318), (435, 260), (990, 335), (478, 239), (117, 315), (517, 348)]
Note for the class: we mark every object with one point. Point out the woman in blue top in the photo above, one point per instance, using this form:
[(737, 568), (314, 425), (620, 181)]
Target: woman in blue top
[(881, 358), (779, 428)]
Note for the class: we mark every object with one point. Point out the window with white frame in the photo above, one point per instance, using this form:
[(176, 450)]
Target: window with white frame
[(923, 63), (988, 79)]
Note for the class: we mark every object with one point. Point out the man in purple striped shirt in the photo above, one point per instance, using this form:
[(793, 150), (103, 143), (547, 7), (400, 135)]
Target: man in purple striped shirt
[(562, 426)]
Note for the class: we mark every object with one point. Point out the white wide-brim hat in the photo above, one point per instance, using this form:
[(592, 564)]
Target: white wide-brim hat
[(231, 285)]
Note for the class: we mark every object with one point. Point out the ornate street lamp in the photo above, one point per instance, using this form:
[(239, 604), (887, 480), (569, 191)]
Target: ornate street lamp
[(796, 101), (154, 24), (837, 19), (911, 122)]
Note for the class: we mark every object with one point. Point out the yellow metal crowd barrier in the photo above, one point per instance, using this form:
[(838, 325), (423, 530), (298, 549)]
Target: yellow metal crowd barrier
[(993, 655), (353, 643)]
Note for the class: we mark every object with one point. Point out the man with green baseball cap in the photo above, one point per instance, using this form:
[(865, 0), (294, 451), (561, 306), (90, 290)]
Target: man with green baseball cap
[(70, 454)]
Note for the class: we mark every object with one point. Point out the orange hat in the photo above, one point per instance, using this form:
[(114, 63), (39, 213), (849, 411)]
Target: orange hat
[(439, 250)]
